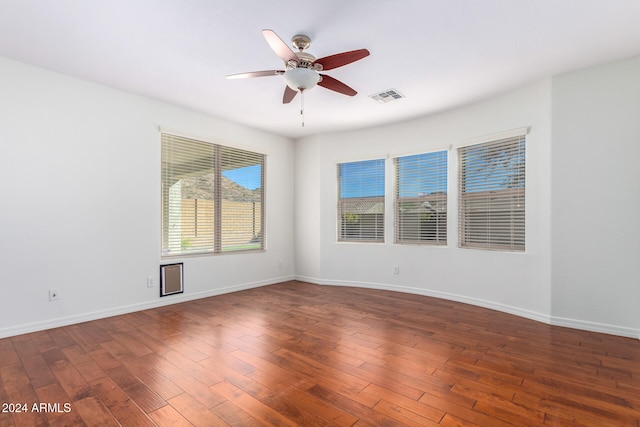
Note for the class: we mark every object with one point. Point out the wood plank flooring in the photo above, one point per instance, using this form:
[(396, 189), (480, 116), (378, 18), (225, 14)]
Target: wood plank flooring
[(296, 354)]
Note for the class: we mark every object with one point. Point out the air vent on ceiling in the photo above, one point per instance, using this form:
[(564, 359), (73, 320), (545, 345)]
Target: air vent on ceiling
[(386, 96)]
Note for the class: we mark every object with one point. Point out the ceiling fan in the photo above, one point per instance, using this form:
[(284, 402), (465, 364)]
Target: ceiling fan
[(302, 70)]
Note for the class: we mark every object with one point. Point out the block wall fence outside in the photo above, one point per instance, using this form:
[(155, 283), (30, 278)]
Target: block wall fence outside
[(240, 221)]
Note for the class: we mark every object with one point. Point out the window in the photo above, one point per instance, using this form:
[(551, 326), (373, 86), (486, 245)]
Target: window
[(492, 195), (361, 201), (212, 198), (421, 199)]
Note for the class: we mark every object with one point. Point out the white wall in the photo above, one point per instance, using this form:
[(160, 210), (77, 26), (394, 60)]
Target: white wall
[(308, 202), (596, 198), (80, 197), (513, 282)]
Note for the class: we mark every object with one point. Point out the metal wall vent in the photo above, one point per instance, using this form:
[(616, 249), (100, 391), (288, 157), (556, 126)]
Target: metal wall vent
[(386, 96), (171, 279)]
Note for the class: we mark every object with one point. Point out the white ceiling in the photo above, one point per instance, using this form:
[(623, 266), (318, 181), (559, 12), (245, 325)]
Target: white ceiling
[(438, 53)]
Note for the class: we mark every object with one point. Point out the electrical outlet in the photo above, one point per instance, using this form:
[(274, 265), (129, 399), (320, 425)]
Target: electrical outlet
[(150, 282), (53, 295), (280, 264), (396, 269)]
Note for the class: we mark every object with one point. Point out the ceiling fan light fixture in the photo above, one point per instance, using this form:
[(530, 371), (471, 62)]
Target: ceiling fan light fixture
[(301, 79)]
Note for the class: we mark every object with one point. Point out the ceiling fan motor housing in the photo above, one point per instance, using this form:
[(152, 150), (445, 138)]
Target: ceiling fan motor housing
[(306, 60)]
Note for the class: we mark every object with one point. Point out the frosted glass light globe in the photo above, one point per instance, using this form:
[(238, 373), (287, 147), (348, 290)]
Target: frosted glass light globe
[(300, 79)]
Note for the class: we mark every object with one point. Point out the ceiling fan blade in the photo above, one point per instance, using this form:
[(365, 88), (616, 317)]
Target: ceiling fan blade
[(256, 74), (279, 47), (340, 59), (330, 83), (289, 94)]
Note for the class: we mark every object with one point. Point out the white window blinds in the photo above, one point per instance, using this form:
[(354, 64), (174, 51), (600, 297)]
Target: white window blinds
[(421, 199), (212, 197), (361, 201), (492, 195)]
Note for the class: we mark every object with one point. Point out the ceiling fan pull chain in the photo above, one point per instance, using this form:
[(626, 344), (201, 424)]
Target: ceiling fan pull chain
[(302, 106)]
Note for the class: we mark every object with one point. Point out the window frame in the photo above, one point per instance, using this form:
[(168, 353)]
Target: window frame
[(492, 215), (353, 228), (186, 158), (427, 169)]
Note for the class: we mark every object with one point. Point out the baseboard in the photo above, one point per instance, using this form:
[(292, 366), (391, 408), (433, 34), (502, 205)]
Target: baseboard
[(175, 299), (528, 314), (596, 327), (101, 314)]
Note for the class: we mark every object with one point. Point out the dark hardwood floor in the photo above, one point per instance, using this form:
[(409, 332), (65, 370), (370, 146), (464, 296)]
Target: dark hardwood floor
[(301, 354)]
